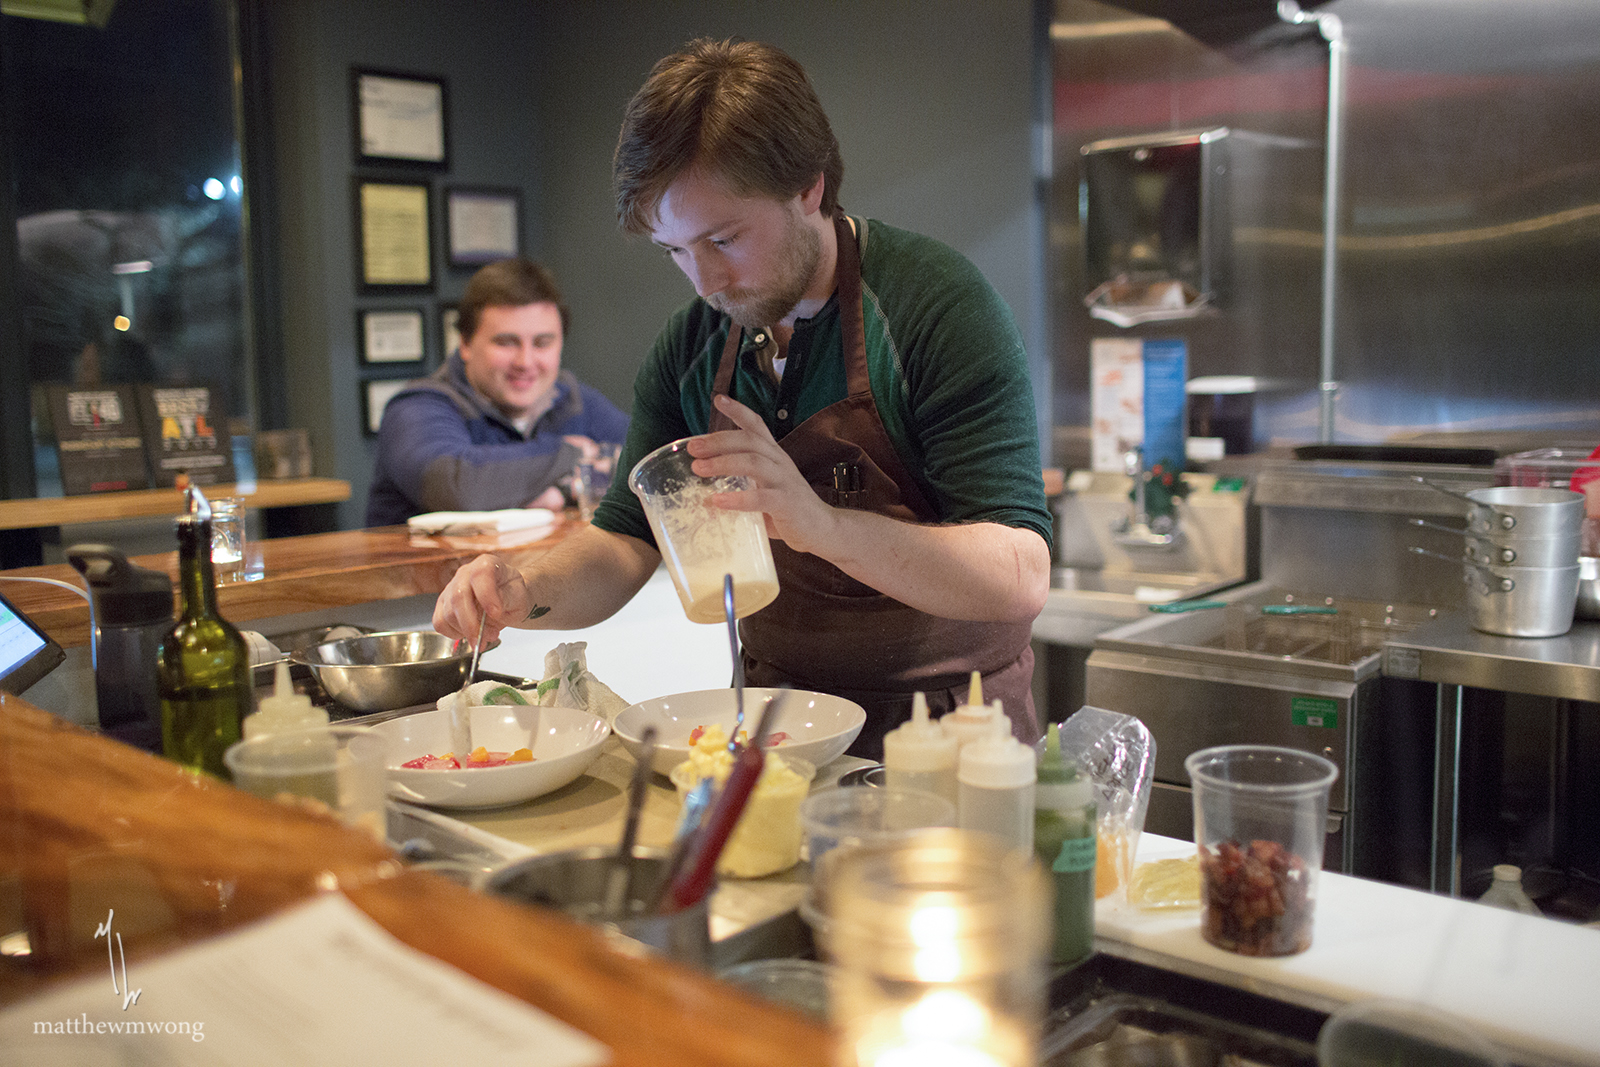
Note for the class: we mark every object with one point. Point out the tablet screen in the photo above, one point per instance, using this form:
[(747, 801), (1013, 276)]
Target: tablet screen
[(26, 652)]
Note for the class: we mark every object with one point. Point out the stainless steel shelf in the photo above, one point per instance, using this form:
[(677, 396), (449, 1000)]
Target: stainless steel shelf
[(1448, 651)]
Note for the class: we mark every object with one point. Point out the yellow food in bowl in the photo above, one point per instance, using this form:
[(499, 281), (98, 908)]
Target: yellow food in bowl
[(767, 837)]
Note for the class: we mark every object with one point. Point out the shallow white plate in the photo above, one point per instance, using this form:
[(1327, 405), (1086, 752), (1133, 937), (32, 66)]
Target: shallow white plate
[(819, 727), (564, 742)]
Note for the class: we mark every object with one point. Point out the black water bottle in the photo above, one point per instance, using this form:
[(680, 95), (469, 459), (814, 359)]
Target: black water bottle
[(132, 610)]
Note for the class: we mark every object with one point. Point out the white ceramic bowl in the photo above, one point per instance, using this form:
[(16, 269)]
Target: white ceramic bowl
[(565, 742), (819, 727)]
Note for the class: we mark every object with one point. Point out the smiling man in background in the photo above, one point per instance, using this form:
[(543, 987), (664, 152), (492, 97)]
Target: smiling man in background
[(869, 382), (500, 425)]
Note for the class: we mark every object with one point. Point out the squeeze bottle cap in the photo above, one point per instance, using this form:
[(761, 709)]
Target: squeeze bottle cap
[(284, 710), (997, 760), (919, 745), (1062, 783), (974, 710)]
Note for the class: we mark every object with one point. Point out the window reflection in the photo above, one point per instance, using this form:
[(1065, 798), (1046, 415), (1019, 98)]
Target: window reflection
[(125, 161)]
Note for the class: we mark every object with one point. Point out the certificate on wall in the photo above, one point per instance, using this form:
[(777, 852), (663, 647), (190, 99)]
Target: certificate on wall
[(399, 117), (375, 396), (391, 336), (394, 233), (483, 225)]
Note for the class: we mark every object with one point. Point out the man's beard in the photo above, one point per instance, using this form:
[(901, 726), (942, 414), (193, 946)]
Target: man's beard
[(802, 253)]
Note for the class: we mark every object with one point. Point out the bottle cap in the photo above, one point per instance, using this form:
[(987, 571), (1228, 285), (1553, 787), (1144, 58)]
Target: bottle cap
[(997, 760), (1062, 784), (284, 710), (966, 722), (919, 745), (1507, 872), (124, 594)]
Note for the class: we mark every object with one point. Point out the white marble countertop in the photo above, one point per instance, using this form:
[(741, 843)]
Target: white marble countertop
[(1530, 984)]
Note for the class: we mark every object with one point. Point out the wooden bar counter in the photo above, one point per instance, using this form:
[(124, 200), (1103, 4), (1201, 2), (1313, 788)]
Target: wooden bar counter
[(88, 824), (288, 575)]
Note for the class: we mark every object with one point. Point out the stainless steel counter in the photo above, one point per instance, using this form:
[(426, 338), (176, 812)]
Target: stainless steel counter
[(1449, 651)]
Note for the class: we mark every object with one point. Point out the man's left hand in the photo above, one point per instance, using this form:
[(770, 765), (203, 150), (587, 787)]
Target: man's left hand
[(794, 512)]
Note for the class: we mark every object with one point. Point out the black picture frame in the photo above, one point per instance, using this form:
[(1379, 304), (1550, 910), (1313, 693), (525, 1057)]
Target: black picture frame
[(400, 117), (482, 224), (394, 234), (375, 395), (391, 335)]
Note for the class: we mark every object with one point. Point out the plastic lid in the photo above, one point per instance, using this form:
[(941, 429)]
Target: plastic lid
[(920, 744), (284, 710), (997, 760), (124, 594), (1507, 872)]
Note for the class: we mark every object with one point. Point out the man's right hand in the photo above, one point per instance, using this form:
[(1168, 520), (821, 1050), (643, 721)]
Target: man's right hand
[(488, 588)]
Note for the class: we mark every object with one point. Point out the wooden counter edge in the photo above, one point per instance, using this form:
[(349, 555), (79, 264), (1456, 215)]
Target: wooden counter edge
[(152, 503), (288, 575), (179, 834)]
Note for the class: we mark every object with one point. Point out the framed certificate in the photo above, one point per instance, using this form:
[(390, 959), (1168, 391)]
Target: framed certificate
[(375, 396), (393, 228), (482, 225), (399, 118), (391, 336)]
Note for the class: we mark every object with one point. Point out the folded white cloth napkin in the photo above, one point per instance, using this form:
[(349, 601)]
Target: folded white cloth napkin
[(462, 523)]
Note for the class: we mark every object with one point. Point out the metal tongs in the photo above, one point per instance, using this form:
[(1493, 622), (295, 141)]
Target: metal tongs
[(691, 866)]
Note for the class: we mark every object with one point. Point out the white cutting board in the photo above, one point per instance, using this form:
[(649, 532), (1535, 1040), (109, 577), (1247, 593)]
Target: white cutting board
[(1530, 984)]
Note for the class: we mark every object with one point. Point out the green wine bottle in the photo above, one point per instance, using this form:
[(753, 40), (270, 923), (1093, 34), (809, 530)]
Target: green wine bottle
[(203, 669)]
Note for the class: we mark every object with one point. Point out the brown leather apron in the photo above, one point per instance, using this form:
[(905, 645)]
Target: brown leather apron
[(828, 632)]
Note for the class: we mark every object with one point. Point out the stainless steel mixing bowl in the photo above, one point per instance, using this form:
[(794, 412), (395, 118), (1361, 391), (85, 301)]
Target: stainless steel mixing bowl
[(385, 671)]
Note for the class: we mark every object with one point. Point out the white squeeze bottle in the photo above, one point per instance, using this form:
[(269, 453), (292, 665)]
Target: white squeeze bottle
[(969, 721), (284, 710), (920, 755), (996, 776)]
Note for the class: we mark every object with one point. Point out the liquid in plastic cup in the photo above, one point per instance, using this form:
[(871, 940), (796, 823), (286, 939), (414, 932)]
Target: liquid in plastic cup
[(700, 542), (343, 767), (1260, 820)]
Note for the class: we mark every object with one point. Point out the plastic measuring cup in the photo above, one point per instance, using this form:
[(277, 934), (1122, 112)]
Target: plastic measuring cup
[(701, 542), (1260, 820)]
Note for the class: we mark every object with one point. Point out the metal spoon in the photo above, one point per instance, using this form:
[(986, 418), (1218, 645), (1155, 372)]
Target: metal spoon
[(738, 662), (460, 717)]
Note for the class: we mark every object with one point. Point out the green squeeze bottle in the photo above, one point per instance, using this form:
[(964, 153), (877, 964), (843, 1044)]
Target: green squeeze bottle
[(203, 666), (1064, 835)]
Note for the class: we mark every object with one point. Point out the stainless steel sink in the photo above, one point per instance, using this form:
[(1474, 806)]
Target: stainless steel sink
[(1109, 1009), (1085, 601)]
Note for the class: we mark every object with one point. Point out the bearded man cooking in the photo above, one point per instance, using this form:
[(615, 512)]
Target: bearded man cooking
[(816, 339)]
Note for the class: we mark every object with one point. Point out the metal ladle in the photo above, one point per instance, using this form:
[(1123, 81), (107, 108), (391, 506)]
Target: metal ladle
[(738, 663)]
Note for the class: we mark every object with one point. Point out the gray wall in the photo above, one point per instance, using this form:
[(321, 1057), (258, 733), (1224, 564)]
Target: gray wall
[(932, 104)]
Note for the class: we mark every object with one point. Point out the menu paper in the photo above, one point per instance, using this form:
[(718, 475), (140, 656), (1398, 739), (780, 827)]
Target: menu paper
[(321, 984)]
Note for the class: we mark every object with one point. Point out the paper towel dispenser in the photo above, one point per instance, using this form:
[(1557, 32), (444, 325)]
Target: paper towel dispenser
[(1153, 210)]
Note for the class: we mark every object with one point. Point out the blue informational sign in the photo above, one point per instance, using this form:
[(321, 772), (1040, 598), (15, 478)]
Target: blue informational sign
[(1165, 421)]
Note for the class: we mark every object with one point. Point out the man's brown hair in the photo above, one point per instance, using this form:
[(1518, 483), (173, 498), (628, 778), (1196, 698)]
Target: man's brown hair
[(507, 283), (740, 111)]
